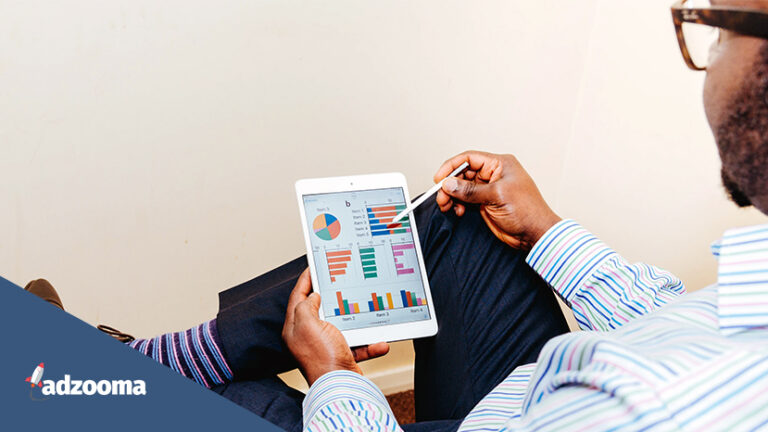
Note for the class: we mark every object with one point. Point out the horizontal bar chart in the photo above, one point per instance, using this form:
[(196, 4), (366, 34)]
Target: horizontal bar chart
[(368, 261), (380, 220), (398, 252), (338, 261)]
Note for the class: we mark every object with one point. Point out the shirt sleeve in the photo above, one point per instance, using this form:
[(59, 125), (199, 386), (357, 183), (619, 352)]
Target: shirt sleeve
[(346, 401), (602, 288), (586, 408)]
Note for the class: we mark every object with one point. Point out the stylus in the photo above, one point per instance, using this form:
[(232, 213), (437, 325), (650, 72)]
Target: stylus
[(433, 190)]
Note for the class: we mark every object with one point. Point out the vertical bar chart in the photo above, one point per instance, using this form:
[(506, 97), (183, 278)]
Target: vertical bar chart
[(345, 307), (402, 267), (338, 261), (368, 260), (409, 299), (380, 220), (380, 303)]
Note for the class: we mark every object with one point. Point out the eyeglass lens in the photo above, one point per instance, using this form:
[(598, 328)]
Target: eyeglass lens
[(700, 39)]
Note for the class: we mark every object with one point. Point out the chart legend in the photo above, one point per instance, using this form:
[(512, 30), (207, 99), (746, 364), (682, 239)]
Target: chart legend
[(380, 220), (338, 261)]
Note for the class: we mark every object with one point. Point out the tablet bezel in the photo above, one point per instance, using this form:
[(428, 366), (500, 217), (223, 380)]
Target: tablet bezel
[(386, 333)]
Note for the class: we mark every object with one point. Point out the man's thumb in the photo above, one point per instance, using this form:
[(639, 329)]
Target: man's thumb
[(468, 191), (314, 301), (309, 307)]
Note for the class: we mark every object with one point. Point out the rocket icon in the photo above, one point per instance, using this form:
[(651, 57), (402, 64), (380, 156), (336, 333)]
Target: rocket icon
[(37, 375)]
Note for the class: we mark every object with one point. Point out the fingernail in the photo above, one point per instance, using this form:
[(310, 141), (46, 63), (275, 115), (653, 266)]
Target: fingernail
[(451, 184)]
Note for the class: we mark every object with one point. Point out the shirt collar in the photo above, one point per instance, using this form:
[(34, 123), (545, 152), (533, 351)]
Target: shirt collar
[(742, 279)]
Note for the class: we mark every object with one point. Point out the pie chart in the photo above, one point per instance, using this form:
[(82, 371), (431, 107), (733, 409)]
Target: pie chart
[(326, 226)]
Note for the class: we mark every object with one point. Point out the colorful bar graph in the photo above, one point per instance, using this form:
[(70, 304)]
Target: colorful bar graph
[(380, 303), (377, 303), (345, 307), (338, 262), (380, 220), (398, 252), (409, 299), (368, 260)]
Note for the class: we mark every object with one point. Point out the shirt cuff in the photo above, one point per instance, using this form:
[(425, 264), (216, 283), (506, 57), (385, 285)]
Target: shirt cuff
[(566, 255), (347, 386)]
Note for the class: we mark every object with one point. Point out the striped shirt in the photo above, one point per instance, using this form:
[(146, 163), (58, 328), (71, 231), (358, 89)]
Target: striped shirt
[(194, 353), (648, 358)]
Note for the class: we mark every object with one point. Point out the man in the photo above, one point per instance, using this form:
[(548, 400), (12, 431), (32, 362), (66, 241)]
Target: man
[(239, 353), (650, 358)]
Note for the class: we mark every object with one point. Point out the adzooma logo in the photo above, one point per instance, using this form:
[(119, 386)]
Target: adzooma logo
[(37, 375), (75, 387)]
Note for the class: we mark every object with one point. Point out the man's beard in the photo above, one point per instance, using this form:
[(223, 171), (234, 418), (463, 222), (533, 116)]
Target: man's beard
[(743, 138), (734, 193)]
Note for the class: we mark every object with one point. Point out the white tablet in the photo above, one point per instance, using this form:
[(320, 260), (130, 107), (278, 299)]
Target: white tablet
[(369, 272)]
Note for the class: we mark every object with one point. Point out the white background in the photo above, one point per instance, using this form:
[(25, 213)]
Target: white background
[(148, 149)]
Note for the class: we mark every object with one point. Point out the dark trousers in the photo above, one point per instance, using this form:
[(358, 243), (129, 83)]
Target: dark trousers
[(494, 313)]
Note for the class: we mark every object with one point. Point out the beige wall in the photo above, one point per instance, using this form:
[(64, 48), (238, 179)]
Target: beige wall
[(148, 149)]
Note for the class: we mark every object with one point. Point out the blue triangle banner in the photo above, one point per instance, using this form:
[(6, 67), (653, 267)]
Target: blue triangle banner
[(100, 384)]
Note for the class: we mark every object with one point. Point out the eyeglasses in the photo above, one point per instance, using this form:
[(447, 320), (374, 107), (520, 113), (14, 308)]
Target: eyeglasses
[(698, 25)]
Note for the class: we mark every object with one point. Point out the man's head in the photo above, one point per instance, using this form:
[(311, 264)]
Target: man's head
[(736, 103)]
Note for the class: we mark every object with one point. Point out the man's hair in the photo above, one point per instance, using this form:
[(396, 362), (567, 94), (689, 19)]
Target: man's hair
[(743, 137)]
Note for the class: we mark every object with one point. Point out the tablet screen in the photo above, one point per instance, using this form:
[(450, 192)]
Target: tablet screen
[(367, 267)]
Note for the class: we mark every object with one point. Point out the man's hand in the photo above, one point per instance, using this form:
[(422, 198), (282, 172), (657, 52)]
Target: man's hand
[(318, 346), (510, 203)]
